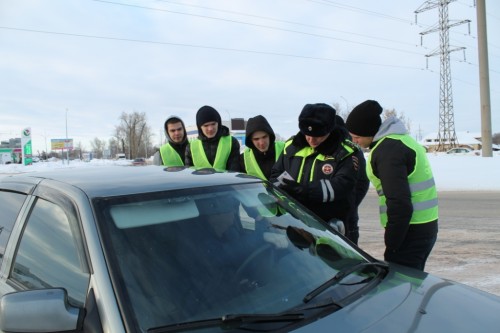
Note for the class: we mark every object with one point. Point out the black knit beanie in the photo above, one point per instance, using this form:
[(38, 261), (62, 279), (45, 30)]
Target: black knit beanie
[(207, 114), (317, 119), (364, 119)]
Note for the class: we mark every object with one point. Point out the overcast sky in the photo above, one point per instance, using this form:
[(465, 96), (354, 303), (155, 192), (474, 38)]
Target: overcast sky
[(92, 60)]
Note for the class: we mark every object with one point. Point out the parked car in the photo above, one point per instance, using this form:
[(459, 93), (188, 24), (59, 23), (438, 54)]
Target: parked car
[(460, 150), (120, 249), (139, 161)]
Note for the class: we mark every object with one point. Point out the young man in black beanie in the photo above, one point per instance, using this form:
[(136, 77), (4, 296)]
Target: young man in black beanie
[(262, 150), (401, 173), (319, 163), (215, 147)]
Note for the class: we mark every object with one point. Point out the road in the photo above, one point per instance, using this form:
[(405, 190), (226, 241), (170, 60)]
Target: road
[(468, 245)]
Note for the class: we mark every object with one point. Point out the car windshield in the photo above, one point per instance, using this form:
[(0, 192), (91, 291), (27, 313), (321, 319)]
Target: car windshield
[(194, 254)]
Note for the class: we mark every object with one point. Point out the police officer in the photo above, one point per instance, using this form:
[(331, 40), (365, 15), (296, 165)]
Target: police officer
[(401, 173), (359, 191), (319, 166)]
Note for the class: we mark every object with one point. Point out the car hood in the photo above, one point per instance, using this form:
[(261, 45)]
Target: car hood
[(411, 301)]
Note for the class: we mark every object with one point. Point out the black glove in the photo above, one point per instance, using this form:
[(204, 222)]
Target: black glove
[(293, 188)]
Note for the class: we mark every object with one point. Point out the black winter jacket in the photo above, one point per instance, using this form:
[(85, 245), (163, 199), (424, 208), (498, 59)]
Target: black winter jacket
[(267, 159), (329, 194), (210, 147)]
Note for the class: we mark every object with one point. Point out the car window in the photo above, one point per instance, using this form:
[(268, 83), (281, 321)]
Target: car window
[(50, 253), (10, 205)]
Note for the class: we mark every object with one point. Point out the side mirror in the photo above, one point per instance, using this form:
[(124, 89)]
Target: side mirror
[(40, 310)]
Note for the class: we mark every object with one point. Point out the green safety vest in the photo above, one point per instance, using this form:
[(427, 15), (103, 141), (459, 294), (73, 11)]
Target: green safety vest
[(169, 156), (307, 151), (200, 159), (422, 187), (251, 165)]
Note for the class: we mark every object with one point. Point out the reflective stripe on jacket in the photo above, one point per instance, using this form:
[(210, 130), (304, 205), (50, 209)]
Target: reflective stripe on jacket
[(251, 165), (308, 151), (421, 181), (170, 157), (200, 159)]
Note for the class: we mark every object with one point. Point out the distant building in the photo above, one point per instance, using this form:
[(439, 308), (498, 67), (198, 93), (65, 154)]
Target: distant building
[(12, 143), (467, 139)]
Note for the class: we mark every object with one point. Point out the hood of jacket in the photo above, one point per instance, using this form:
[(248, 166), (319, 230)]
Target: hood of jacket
[(391, 125), (258, 123), (184, 139)]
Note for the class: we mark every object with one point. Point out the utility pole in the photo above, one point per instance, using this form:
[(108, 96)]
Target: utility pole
[(447, 137), (67, 148), (484, 79)]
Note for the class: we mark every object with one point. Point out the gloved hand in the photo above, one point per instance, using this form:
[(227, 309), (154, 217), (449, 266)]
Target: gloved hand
[(293, 188), (337, 225)]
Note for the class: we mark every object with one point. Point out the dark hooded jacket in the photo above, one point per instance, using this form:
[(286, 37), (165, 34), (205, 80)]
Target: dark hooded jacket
[(328, 193), (180, 147), (359, 191), (266, 159), (210, 146)]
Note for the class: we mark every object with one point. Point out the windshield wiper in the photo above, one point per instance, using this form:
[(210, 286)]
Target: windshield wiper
[(340, 276), (230, 321)]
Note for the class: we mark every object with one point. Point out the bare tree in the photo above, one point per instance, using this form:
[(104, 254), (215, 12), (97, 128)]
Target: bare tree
[(98, 147), (392, 112), (132, 133)]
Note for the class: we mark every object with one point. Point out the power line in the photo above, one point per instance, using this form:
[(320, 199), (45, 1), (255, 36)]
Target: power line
[(285, 21), (261, 26), (207, 47)]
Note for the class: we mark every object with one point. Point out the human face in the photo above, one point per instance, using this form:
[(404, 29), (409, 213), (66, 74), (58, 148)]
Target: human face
[(315, 141), (175, 132), (362, 141), (260, 140), (210, 129)]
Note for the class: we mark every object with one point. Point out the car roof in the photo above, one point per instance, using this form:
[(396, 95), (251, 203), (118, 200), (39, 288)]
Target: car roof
[(104, 181)]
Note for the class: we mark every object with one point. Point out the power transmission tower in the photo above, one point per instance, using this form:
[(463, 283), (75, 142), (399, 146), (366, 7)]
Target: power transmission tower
[(447, 137)]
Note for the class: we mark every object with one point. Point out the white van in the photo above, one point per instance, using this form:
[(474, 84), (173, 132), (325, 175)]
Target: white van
[(6, 158), (120, 156)]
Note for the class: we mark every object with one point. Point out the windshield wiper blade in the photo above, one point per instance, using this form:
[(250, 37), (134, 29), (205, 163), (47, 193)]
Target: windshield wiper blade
[(230, 321), (340, 276)]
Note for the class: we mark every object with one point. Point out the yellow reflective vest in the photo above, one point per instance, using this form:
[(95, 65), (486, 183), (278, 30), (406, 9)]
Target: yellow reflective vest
[(200, 159), (170, 157), (251, 165), (422, 187)]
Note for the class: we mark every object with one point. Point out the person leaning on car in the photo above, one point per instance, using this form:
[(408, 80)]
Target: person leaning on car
[(319, 163), (215, 147), (172, 153), (262, 150), (399, 169)]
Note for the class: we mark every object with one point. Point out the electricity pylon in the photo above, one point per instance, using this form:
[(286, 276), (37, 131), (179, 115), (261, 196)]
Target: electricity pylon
[(447, 137)]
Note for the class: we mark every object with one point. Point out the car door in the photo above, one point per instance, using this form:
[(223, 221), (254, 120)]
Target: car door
[(45, 248)]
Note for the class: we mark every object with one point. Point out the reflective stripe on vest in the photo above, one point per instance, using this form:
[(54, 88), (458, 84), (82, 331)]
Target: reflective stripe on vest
[(169, 156), (251, 165), (308, 151), (421, 183), (200, 159)]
